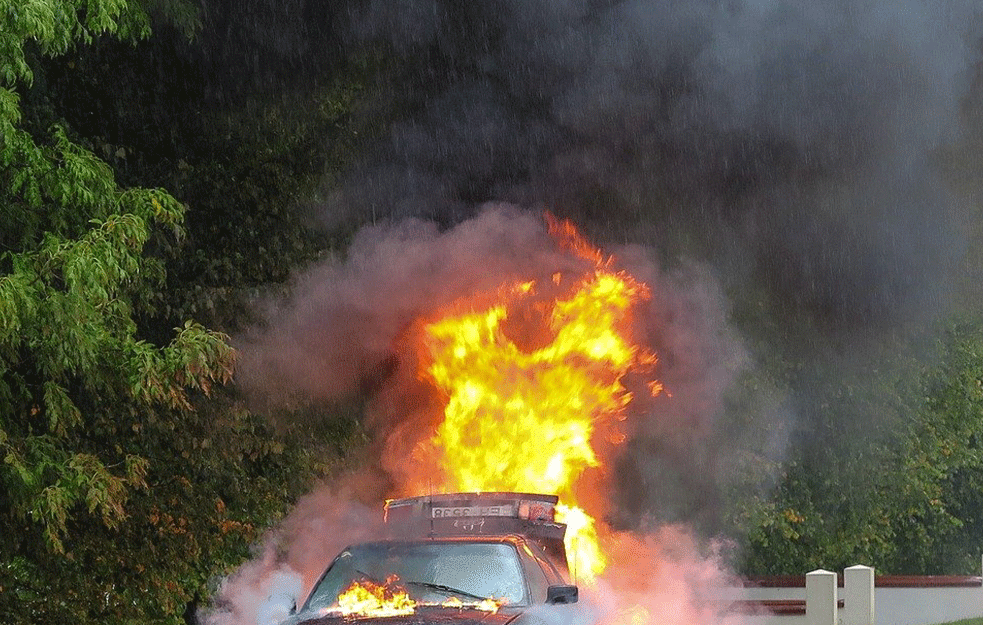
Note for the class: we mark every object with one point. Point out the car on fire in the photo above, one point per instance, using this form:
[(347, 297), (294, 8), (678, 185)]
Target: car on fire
[(459, 559)]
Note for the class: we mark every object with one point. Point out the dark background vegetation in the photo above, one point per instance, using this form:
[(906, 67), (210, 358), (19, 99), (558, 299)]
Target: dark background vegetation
[(256, 137)]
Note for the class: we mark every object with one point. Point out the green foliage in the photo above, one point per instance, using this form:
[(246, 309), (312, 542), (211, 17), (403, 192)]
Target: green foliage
[(905, 494), (129, 475), (263, 161), (204, 485), (244, 168), (54, 26), (71, 363), (939, 526)]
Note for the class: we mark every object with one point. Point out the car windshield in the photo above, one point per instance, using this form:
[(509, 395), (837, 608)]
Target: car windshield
[(431, 572)]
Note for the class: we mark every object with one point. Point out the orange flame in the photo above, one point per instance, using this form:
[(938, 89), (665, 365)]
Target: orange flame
[(370, 599), (488, 605), (367, 598), (529, 382)]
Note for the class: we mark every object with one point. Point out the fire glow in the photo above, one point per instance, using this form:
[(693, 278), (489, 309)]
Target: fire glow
[(370, 599), (366, 598), (531, 376)]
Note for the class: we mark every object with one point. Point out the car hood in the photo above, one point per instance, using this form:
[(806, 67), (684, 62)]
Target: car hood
[(424, 616)]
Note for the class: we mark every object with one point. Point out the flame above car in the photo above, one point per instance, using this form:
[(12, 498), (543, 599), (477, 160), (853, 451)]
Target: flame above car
[(531, 375)]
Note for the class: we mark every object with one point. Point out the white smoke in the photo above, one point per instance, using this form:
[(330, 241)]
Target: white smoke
[(658, 578), (293, 555), (345, 318)]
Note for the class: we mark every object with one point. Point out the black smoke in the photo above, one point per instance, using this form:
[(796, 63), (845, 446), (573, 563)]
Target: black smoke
[(791, 144), (798, 149)]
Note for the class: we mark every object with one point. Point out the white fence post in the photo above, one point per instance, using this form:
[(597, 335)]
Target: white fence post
[(821, 597), (858, 595)]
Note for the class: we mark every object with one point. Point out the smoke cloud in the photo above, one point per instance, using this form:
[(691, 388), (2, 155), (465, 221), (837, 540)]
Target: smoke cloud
[(343, 331), (798, 150), (293, 555), (791, 144), (339, 328), (790, 149)]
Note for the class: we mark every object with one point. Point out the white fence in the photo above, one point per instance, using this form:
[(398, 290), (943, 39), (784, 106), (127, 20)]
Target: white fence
[(857, 597)]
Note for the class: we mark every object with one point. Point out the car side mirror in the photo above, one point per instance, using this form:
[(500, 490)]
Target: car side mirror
[(561, 594)]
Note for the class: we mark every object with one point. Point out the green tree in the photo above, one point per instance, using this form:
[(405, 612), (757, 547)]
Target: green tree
[(123, 489), (904, 495), (937, 521)]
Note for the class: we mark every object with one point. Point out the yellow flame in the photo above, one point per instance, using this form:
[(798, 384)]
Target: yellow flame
[(488, 605), (453, 602), (521, 415), (370, 599)]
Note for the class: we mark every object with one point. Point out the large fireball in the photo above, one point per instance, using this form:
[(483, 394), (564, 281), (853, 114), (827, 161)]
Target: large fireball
[(531, 376)]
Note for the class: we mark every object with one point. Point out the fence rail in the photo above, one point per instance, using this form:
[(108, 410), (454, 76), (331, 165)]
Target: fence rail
[(880, 581), (855, 597)]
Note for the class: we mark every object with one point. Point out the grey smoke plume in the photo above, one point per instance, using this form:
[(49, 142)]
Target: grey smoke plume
[(339, 329), (342, 332), (793, 148), (792, 144), (345, 322), (293, 555), (797, 148)]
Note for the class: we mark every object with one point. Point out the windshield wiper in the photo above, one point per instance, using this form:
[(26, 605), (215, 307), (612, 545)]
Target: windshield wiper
[(446, 589)]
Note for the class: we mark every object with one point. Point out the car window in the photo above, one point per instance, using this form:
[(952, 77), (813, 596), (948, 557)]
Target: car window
[(476, 570)]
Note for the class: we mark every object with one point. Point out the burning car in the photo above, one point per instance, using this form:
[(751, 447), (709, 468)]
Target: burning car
[(463, 558), (534, 380)]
